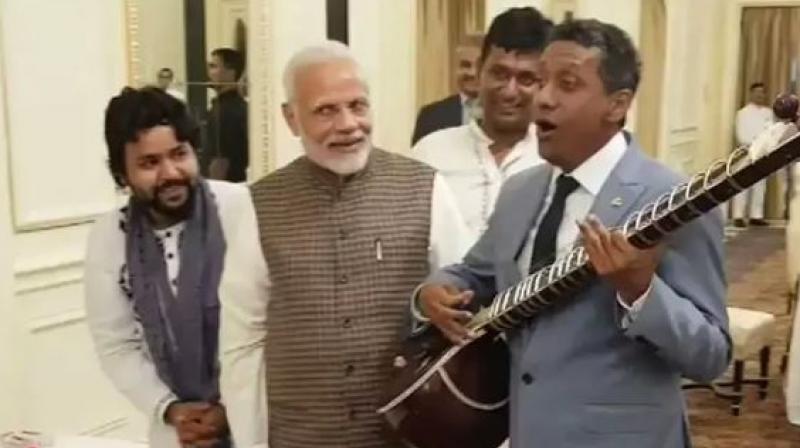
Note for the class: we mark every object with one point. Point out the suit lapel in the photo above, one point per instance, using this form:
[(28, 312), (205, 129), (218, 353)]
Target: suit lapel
[(621, 191), (454, 114), (617, 199), (519, 224)]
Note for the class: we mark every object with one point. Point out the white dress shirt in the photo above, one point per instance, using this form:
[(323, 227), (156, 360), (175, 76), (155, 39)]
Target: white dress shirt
[(116, 330), (245, 292), (469, 108), (170, 239), (591, 175), (461, 154), (177, 94), (751, 120)]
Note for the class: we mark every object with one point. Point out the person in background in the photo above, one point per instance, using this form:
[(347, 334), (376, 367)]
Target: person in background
[(226, 137), (477, 157), (460, 108), (164, 81), (751, 120), (785, 110), (153, 270)]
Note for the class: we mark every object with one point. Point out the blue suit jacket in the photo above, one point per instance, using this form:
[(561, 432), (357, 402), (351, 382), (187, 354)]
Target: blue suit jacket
[(578, 379)]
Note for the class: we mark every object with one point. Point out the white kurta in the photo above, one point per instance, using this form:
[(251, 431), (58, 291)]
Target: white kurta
[(115, 329), (461, 154)]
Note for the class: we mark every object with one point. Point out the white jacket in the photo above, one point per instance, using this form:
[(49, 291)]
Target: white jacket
[(117, 335)]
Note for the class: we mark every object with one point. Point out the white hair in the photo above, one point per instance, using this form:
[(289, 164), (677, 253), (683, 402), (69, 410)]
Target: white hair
[(327, 51)]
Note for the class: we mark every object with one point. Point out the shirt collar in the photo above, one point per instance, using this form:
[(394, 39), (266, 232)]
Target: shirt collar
[(594, 171), (335, 183), (477, 132), (466, 99), (170, 231)]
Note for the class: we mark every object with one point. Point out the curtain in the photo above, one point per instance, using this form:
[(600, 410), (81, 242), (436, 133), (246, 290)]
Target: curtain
[(440, 25), (652, 49), (770, 42)]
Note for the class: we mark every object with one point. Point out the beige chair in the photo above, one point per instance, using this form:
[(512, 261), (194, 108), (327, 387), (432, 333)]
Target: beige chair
[(791, 380), (793, 232), (751, 332)]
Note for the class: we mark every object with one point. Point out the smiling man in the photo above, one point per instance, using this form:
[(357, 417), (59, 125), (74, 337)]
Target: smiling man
[(603, 370), (479, 156), (315, 291), (153, 270)]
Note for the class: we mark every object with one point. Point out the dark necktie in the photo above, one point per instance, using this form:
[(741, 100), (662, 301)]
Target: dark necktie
[(544, 245)]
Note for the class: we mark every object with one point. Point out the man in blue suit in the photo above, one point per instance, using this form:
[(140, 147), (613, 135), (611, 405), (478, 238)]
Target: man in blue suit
[(605, 369)]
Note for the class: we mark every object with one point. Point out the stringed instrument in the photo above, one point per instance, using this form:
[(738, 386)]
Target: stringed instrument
[(447, 396)]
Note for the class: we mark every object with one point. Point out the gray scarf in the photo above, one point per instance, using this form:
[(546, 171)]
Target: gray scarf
[(181, 332)]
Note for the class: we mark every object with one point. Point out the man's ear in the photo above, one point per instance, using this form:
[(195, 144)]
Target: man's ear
[(620, 104), (291, 118)]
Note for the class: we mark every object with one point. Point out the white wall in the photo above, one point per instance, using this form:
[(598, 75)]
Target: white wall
[(10, 359), (698, 124), (682, 78), (295, 24), (382, 36), (625, 14), (495, 7), (68, 58), (221, 16)]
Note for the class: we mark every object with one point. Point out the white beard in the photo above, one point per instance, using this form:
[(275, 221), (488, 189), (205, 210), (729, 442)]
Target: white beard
[(343, 164)]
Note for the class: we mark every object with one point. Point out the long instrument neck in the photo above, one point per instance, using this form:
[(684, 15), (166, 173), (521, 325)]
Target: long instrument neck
[(704, 191)]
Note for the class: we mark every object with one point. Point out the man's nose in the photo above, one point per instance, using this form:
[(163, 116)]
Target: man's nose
[(169, 170), (346, 120), (543, 97)]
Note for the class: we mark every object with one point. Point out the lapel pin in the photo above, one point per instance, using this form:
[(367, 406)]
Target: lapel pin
[(616, 202)]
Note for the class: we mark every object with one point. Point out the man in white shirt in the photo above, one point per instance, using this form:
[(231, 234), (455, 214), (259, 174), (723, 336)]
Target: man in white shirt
[(461, 107), (478, 157), (315, 289), (153, 270), (164, 81), (751, 120), (601, 365)]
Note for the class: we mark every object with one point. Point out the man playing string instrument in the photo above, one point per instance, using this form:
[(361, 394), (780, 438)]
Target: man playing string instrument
[(605, 369)]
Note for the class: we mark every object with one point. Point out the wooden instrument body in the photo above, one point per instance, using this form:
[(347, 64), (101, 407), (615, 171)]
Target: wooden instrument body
[(430, 414)]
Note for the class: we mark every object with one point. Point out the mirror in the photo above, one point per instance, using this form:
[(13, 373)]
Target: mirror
[(196, 50), (455, 30)]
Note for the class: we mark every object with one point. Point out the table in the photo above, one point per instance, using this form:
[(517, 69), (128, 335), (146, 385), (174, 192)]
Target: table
[(94, 442)]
